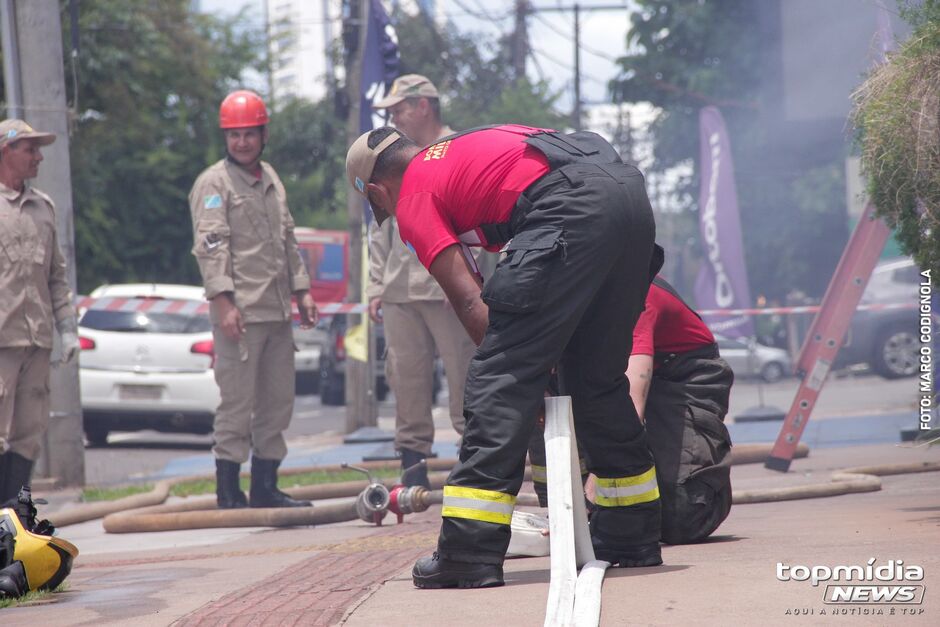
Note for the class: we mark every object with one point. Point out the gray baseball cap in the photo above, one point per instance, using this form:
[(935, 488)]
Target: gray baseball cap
[(407, 86)]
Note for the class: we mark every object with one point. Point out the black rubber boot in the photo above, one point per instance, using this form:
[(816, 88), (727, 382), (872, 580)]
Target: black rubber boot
[(13, 582), (629, 557), (436, 572), (3, 478), (228, 493), (264, 492), (627, 536), (417, 476), (15, 471)]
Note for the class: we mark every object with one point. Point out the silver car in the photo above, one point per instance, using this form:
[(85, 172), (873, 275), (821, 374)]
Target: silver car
[(754, 360)]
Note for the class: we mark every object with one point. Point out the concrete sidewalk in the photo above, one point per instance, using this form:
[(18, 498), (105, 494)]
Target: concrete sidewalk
[(358, 574)]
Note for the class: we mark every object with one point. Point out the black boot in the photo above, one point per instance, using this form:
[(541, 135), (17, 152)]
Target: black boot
[(228, 493), (264, 492), (437, 572), (417, 476), (13, 582), (15, 471), (627, 536), (3, 478)]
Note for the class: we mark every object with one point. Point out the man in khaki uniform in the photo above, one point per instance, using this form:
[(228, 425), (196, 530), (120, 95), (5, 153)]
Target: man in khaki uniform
[(246, 250), (417, 316), (34, 291)]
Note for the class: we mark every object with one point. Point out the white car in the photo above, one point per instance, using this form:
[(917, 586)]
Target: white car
[(146, 361)]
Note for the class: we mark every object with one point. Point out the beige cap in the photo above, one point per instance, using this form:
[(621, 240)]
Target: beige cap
[(407, 86), (360, 161), (13, 130)]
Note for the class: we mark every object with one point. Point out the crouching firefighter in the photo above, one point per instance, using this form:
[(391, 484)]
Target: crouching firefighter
[(31, 558), (681, 388), (578, 233)]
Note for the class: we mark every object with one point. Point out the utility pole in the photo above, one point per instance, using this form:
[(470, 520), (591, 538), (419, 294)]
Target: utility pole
[(268, 52), (576, 115), (32, 37), (520, 40), (360, 399)]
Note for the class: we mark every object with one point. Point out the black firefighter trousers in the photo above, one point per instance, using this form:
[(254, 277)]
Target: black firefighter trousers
[(569, 292)]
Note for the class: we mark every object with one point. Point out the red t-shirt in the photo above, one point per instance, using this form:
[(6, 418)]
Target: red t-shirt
[(452, 187), (667, 325)]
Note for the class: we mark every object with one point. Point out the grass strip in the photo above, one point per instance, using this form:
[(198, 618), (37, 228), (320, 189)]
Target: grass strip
[(207, 486)]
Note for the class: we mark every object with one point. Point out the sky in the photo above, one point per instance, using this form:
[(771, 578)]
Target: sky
[(603, 37)]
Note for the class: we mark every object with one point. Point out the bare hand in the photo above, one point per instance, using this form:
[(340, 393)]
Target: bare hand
[(230, 319), (308, 311), (375, 309)]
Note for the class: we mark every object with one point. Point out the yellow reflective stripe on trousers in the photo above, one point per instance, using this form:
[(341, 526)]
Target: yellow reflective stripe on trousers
[(476, 504), (625, 491), (539, 474)]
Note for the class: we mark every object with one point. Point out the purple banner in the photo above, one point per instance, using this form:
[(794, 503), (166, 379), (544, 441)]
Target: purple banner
[(722, 279)]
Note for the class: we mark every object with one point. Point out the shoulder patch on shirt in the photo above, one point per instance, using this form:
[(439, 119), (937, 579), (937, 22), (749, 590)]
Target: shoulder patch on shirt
[(213, 201)]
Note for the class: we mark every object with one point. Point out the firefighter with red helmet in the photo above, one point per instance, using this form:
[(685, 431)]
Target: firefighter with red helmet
[(244, 244)]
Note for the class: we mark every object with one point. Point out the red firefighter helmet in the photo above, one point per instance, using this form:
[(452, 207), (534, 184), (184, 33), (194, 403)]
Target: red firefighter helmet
[(242, 109)]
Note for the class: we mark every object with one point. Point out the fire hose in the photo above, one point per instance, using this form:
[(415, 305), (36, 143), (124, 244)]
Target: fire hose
[(152, 502), (148, 512)]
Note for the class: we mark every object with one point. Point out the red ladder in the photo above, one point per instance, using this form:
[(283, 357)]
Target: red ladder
[(828, 330)]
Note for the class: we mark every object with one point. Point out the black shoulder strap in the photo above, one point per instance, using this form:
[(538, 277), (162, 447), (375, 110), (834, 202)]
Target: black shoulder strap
[(662, 284), (466, 132)]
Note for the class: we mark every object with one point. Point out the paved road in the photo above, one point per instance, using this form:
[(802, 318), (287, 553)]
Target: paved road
[(131, 456), (134, 455)]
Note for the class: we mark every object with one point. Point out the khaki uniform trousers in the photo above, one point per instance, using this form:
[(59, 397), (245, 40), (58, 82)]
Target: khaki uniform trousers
[(412, 330), (256, 381), (24, 399)]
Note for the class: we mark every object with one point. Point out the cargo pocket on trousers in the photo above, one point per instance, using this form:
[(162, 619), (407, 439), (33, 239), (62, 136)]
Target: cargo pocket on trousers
[(522, 279)]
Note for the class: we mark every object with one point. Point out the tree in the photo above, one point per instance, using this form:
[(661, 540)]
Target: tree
[(150, 80), (473, 73), (686, 54), (307, 147), (898, 116)]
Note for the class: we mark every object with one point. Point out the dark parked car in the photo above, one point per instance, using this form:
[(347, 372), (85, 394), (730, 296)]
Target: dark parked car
[(333, 363), (886, 339)]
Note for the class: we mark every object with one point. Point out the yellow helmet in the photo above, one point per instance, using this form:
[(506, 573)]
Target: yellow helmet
[(47, 560)]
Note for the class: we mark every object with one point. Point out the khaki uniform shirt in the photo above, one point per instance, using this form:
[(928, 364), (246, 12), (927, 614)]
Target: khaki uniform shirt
[(34, 288), (395, 274), (243, 240)]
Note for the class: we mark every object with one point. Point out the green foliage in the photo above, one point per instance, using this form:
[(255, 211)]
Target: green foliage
[(688, 54), (150, 77), (307, 147), (474, 77), (898, 116)]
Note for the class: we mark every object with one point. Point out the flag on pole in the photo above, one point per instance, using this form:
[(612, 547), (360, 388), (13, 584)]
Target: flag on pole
[(379, 69)]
